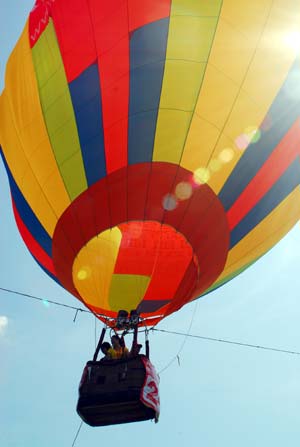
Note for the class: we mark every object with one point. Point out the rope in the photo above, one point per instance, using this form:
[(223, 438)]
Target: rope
[(76, 436), (26, 295), (95, 332), (231, 342), (220, 340), (176, 357)]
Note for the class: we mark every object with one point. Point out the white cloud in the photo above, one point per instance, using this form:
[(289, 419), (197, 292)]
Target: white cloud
[(3, 324)]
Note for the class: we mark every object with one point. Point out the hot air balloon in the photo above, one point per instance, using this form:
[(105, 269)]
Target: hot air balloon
[(152, 147)]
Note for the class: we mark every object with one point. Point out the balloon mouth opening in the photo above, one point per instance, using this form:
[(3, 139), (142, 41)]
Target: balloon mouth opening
[(134, 265)]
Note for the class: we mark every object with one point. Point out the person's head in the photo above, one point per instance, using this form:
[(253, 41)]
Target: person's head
[(105, 347), (115, 342)]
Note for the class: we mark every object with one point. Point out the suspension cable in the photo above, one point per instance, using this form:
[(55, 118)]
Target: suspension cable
[(231, 342), (78, 431), (176, 357), (44, 300), (220, 340)]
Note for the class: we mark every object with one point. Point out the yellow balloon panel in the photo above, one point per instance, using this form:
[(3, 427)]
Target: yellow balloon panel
[(237, 89), (127, 291), (94, 265), (24, 136)]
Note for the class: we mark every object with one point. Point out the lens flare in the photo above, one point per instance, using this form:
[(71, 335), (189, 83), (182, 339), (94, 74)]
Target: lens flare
[(215, 165), (83, 273), (201, 175), (183, 191), (292, 41), (3, 323), (253, 134), (226, 155), (242, 142), (135, 230), (266, 124), (169, 202)]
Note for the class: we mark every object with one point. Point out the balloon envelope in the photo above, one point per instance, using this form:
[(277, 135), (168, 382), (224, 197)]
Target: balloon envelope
[(152, 147)]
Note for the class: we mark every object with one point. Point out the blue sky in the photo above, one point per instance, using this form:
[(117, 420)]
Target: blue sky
[(219, 395)]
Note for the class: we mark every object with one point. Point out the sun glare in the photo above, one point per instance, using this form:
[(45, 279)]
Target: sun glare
[(292, 40)]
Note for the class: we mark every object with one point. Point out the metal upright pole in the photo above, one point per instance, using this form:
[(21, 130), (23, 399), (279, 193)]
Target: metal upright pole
[(99, 344)]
